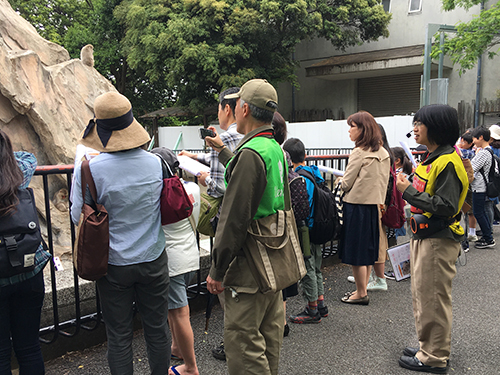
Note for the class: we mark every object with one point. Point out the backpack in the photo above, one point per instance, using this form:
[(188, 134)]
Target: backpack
[(394, 215), (20, 236), (175, 204), (325, 227), (493, 181)]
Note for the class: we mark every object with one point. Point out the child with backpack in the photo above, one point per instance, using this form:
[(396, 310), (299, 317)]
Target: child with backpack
[(481, 164), (312, 283)]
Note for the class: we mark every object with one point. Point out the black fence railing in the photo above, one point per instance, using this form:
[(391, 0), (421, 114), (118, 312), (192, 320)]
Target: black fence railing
[(68, 328), (335, 158)]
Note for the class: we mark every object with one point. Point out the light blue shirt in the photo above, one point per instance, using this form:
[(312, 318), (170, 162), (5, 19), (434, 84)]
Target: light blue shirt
[(128, 185)]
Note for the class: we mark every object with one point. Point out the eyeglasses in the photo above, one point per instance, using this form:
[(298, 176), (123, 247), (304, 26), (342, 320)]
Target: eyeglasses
[(417, 123)]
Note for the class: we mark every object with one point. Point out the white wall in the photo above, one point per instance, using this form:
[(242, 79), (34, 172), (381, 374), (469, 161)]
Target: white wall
[(320, 134)]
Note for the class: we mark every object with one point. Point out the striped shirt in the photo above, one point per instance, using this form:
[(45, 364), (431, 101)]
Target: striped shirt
[(215, 181), (27, 163), (481, 162)]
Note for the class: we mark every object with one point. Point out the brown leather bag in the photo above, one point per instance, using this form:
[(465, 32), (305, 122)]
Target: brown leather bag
[(468, 168), (90, 256), (273, 251)]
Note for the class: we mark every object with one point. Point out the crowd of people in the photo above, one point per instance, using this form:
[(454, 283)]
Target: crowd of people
[(252, 177)]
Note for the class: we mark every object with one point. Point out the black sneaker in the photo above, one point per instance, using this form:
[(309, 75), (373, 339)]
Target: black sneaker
[(306, 317), (389, 275), (219, 352), (286, 330), (483, 244), (323, 311), (414, 364)]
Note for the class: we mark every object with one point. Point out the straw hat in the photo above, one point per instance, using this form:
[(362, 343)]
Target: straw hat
[(495, 132), (114, 127)]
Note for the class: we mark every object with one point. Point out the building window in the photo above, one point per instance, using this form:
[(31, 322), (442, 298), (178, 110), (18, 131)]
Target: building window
[(386, 4), (415, 6)]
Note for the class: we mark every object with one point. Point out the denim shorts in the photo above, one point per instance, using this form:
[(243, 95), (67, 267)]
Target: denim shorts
[(177, 292)]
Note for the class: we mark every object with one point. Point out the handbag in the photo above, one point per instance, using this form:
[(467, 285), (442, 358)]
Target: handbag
[(175, 204), (394, 215), (468, 169), (91, 253), (273, 249), (209, 207)]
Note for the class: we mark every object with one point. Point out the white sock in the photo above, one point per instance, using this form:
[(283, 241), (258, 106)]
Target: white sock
[(472, 231)]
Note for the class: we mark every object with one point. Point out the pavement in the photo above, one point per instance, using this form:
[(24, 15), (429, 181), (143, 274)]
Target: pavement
[(353, 339)]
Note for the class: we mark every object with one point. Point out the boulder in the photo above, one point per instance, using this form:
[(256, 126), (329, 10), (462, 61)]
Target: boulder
[(46, 100)]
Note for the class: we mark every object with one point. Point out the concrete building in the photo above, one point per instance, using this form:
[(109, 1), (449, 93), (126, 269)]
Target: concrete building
[(384, 77)]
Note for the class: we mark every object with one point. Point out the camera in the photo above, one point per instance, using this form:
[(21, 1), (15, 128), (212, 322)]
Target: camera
[(206, 133)]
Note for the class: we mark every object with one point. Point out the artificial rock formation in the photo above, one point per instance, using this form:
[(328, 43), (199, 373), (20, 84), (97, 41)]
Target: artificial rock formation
[(46, 100)]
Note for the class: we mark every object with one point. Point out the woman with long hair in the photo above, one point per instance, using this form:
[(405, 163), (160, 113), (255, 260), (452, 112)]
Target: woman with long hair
[(21, 295), (437, 194), (365, 186)]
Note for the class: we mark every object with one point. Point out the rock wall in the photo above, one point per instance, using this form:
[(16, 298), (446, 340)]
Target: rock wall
[(46, 100)]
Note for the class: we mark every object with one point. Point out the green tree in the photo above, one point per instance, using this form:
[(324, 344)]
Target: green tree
[(474, 38), (198, 47)]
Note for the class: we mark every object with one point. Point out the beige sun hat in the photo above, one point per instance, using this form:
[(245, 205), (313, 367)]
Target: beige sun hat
[(258, 92), (114, 127), (495, 132)]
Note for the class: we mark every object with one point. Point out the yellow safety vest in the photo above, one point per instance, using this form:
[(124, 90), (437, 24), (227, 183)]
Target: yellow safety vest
[(425, 177)]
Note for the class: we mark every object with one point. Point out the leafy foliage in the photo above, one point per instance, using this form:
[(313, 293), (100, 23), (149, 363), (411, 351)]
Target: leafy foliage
[(158, 52), (52, 18), (198, 47), (474, 38)]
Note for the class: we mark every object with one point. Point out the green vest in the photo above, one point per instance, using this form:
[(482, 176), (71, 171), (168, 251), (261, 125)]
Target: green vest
[(276, 171)]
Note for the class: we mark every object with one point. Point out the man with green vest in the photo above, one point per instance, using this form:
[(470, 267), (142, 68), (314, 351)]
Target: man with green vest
[(255, 177)]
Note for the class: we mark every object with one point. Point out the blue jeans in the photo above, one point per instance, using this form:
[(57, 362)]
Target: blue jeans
[(20, 310), (479, 209)]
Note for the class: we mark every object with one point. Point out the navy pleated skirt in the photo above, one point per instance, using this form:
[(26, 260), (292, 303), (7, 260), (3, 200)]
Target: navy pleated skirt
[(359, 238)]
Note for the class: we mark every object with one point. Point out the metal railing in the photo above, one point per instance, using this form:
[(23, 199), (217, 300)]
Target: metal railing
[(70, 327)]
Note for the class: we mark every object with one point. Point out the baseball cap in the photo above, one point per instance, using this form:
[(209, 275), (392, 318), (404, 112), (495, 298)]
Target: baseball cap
[(495, 132), (258, 92)]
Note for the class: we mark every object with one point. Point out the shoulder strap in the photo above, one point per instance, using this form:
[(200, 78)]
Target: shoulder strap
[(88, 180), (288, 198), (192, 222), (492, 167), (309, 176)]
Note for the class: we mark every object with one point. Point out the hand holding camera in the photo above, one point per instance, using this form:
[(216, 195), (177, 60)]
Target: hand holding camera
[(213, 141)]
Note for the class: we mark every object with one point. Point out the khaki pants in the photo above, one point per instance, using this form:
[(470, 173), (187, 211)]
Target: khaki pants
[(432, 271), (312, 282), (253, 332)]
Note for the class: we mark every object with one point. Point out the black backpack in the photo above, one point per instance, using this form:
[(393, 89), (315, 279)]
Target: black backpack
[(20, 236), (325, 227), (493, 181)]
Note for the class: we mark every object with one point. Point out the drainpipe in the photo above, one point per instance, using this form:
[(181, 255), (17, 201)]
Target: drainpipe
[(293, 94), (478, 83)]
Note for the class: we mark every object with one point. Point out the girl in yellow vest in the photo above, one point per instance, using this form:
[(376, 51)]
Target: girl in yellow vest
[(439, 188)]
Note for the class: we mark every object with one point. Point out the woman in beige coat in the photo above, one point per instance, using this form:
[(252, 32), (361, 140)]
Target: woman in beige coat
[(365, 185)]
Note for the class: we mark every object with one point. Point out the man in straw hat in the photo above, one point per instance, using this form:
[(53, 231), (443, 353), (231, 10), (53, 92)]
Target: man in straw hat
[(253, 325), (128, 182)]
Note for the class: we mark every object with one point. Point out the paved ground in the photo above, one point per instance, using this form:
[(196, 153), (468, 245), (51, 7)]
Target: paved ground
[(354, 339)]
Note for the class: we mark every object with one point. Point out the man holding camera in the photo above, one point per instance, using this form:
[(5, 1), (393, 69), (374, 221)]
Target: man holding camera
[(214, 181)]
